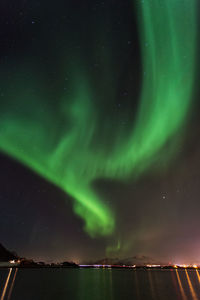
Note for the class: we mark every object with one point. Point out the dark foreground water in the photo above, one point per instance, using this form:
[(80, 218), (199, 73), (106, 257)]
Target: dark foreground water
[(94, 284)]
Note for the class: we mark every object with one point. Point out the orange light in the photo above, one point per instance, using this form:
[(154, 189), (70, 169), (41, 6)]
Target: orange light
[(195, 266), (185, 266), (175, 266)]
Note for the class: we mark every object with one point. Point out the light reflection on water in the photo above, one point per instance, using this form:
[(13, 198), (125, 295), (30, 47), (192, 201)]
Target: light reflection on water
[(194, 296), (12, 284), (181, 286), (5, 286), (137, 285), (86, 284), (152, 288), (198, 276)]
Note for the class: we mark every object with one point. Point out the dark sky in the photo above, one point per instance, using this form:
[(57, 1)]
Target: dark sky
[(157, 212)]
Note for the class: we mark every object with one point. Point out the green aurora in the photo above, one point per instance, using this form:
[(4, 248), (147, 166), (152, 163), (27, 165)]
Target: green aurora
[(58, 145)]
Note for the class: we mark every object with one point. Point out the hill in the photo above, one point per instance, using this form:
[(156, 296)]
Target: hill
[(6, 255)]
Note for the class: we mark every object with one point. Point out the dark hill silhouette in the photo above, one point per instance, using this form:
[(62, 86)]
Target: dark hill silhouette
[(69, 264), (137, 259), (6, 255)]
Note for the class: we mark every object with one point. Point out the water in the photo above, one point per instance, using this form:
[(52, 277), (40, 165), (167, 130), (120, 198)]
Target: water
[(96, 284)]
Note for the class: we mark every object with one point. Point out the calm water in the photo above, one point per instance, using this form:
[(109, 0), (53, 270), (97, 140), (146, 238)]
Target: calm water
[(94, 284)]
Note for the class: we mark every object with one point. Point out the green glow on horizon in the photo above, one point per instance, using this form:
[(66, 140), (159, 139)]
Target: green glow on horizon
[(58, 145)]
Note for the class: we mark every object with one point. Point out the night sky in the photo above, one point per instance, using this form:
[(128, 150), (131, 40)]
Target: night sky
[(99, 129)]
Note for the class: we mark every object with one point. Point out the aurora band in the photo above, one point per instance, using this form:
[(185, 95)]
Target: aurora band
[(62, 151)]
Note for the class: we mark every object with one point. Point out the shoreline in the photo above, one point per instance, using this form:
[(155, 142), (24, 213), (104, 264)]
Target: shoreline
[(101, 267)]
